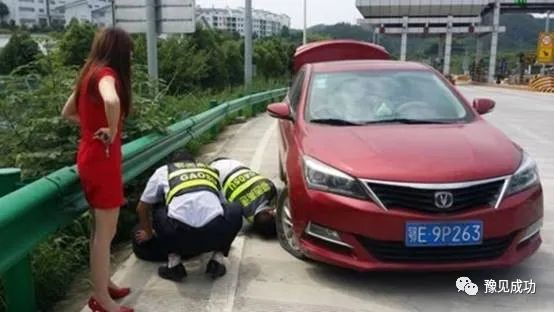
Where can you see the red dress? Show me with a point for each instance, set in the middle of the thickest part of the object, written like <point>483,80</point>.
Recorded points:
<point>100,173</point>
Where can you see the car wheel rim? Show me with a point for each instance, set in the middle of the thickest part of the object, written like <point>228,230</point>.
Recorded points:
<point>288,231</point>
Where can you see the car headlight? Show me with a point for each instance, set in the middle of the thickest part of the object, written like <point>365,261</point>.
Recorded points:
<point>322,177</point>
<point>525,176</point>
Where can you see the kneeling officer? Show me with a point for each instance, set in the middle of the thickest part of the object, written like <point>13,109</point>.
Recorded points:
<point>193,221</point>
<point>253,192</point>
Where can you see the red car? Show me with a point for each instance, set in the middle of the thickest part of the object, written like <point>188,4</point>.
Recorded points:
<point>388,167</point>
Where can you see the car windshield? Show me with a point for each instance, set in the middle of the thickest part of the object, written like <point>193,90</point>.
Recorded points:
<point>370,97</point>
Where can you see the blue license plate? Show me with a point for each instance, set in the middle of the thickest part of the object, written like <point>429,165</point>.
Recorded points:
<point>436,234</point>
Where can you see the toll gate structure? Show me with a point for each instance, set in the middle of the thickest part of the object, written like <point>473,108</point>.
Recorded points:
<point>445,18</point>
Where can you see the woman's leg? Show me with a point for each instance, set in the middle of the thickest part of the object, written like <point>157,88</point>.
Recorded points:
<point>105,226</point>
<point>111,284</point>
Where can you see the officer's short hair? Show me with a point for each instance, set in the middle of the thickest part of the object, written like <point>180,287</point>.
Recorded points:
<point>264,224</point>
<point>181,156</point>
<point>219,158</point>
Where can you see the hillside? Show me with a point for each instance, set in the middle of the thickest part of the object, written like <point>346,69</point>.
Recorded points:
<point>521,36</point>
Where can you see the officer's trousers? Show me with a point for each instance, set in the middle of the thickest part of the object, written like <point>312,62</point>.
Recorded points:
<point>176,237</point>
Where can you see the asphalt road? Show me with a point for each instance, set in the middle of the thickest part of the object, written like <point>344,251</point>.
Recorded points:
<point>263,277</point>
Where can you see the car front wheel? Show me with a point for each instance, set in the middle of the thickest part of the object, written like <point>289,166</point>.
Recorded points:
<point>285,231</point>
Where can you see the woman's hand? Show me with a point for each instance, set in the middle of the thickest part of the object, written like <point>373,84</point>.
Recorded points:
<point>105,135</point>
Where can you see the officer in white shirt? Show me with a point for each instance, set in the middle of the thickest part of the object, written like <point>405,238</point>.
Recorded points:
<point>192,219</point>
<point>254,193</point>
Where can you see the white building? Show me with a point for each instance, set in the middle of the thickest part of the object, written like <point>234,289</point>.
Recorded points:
<point>264,23</point>
<point>98,12</point>
<point>33,12</point>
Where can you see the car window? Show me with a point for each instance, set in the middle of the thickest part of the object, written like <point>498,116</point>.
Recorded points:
<point>296,90</point>
<point>372,97</point>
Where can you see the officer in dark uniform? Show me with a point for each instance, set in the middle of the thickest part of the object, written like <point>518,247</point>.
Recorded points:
<point>189,220</point>
<point>253,192</point>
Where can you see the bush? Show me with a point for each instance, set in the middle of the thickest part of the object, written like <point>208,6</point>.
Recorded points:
<point>20,50</point>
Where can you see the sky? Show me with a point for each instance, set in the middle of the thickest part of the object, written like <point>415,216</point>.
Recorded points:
<point>319,11</point>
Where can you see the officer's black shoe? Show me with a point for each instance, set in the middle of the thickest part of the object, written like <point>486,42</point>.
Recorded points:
<point>215,269</point>
<point>176,273</point>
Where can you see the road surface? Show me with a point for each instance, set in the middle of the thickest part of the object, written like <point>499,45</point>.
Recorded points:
<point>263,277</point>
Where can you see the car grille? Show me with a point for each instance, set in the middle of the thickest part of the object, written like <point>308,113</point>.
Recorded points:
<point>397,196</point>
<point>398,252</point>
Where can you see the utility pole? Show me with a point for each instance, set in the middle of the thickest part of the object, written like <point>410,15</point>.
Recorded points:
<point>248,43</point>
<point>48,15</point>
<point>404,39</point>
<point>546,31</point>
<point>547,23</point>
<point>113,13</point>
<point>494,41</point>
<point>448,47</point>
<point>152,39</point>
<point>305,34</point>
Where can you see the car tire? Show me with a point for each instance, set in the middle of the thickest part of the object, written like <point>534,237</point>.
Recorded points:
<point>282,175</point>
<point>284,226</point>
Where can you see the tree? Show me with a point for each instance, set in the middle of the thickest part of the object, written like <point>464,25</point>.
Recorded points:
<point>210,42</point>
<point>4,11</point>
<point>185,70</point>
<point>76,42</point>
<point>234,61</point>
<point>20,50</point>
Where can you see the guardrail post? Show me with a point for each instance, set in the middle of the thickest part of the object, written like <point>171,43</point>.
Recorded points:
<point>214,131</point>
<point>19,287</point>
<point>9,178</point>
<point>18,280</point>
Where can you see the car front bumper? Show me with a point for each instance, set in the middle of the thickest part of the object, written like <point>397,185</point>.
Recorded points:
<point>362,236</point>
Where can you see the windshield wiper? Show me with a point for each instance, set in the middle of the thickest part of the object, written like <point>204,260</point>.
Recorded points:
<point>334,121</point>
<point>407,121</point>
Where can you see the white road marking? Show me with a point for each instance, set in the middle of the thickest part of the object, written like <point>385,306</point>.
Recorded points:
<point>222,297</point>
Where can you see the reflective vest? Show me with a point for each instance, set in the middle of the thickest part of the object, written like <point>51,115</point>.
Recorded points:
<point>249,189</point>
<point>190,177</point>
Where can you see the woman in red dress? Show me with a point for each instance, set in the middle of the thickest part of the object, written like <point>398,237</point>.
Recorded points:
<point>99,103</point>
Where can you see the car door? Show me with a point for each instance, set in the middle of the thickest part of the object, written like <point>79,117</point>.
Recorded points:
<point>286,127</point>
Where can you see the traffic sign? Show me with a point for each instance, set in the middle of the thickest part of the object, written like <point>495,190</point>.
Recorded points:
<point>172,16</point>
<point>545,48</point>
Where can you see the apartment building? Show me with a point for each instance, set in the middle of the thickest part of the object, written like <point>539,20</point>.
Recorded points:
<point>34,12</point>
<point>264,23</point>
<point>98,12</point>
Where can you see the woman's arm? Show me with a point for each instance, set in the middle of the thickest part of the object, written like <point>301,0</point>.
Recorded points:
<point>112,108</point>
<point>69,110</point>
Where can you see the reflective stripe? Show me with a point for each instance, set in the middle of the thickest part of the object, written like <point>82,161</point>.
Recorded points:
<point>229,180</point>
<point>189,184</point>
<point>192,170</point>
<point>245,186</point>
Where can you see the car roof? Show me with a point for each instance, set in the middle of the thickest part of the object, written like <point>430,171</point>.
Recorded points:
<point>367,65</point>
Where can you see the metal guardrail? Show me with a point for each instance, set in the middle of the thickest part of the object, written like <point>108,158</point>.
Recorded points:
<point>32,213</point>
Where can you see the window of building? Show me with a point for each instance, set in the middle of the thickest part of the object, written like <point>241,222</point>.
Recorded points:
<point>26,9</point>
<point>31,1</point>
<point>27,21</point>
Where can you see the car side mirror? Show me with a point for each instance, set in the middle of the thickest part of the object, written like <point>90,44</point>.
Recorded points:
<point>279,111</point>
<point>483,106</point>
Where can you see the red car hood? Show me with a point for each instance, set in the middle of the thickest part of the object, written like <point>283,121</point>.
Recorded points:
<point>414,153</point>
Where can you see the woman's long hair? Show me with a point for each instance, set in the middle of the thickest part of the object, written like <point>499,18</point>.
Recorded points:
<point>112,47</point>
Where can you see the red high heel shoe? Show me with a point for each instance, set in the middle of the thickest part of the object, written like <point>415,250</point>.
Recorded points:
<point>119,293</point>
<point>96,307</point>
